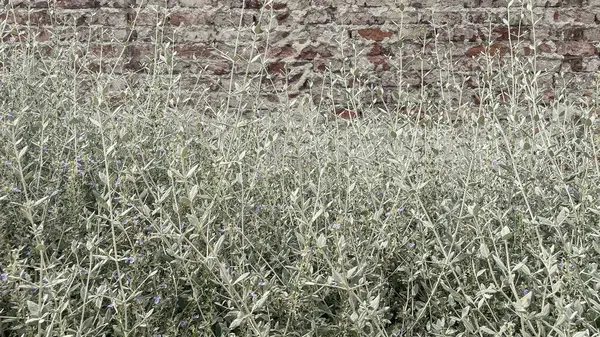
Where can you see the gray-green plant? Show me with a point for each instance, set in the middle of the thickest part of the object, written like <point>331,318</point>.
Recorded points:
<point>129,207</point>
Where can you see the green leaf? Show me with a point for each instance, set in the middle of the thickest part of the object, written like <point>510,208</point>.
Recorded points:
<point>22,152</point>
<point>321,241</point>
<point>95,122</point>
<point>34,308</point>
<point>505,233</point>
<point>241,278</point>
<point>317,215</point>
<point>483,250</point>
<point>375,302</point>
<point>236,322</point>
<point>261,301</point>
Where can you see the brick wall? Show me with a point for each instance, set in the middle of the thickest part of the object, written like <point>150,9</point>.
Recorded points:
<point>428,44</point>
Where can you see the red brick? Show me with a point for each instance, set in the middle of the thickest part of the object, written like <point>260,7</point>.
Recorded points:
<point>221,69</point>
<point>252,4</point>
<point>282,52</point>
<point>374,34</point>
<point>282,17</point>
<point>379,62</point>
<point>378,50</point>
<point>320,66</point>
<point>347,114</point>
<point>276,68</point>
<point>310,52</point>
<point>494,49</point>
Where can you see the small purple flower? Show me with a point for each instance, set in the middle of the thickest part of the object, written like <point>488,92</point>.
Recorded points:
<point>336,226</point>
<point>11,39</point>
<point>525,292</point>
<point>196,316</point>
<point>222,230</point>
<point>44,150</point>
<point>401,210</point>
<point>118,161</point>
<point>494,162</point>
<point>118,182</point>
<point>411,245</point>
<point>4,277</point>
<point>16,190</point>
<point>164,285</point>
<point>138,299</point>
<point>333,283</point>
<point>388,214</point>
<point>261,283</point>
<point>116,275</point>
<point>130,260</point>
<point>183,324</point>
<point>8,163</point>
<point>44,282</point>
<point>84,272</point>
<point>259,208</point>
<point>112,305</point>
<point>253,294</point>
<point>156,299</point>
<point>181,225</point>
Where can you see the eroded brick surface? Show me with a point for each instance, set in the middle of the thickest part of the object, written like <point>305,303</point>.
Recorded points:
<point>292,44</point>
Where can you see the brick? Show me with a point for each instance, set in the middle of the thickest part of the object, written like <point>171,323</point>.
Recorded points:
<point>379,63</point>
<point>103,17</point>
<point>276,6</point>
<point>36,17</point>
<point>375,34</point>
<point>154,3</point>
<point>28,3</point>
<point>189,19</point>
<point>310,52</point>
<point>378,50</point>
<point>191,51</point>
<point>314,16</point>
<point>569,15</point>
<point>282,52</point>
<point>197,3</point>
<point>348,114</point>
<point>591,34</point>
<point>492,50</point>
<point>77,4</point>
<point>576,48</point>
<point>506,34</point>
<point>276,68</point>
<point>359,18</point>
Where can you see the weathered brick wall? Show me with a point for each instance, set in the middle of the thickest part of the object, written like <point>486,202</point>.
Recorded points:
<point>426,43</point>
